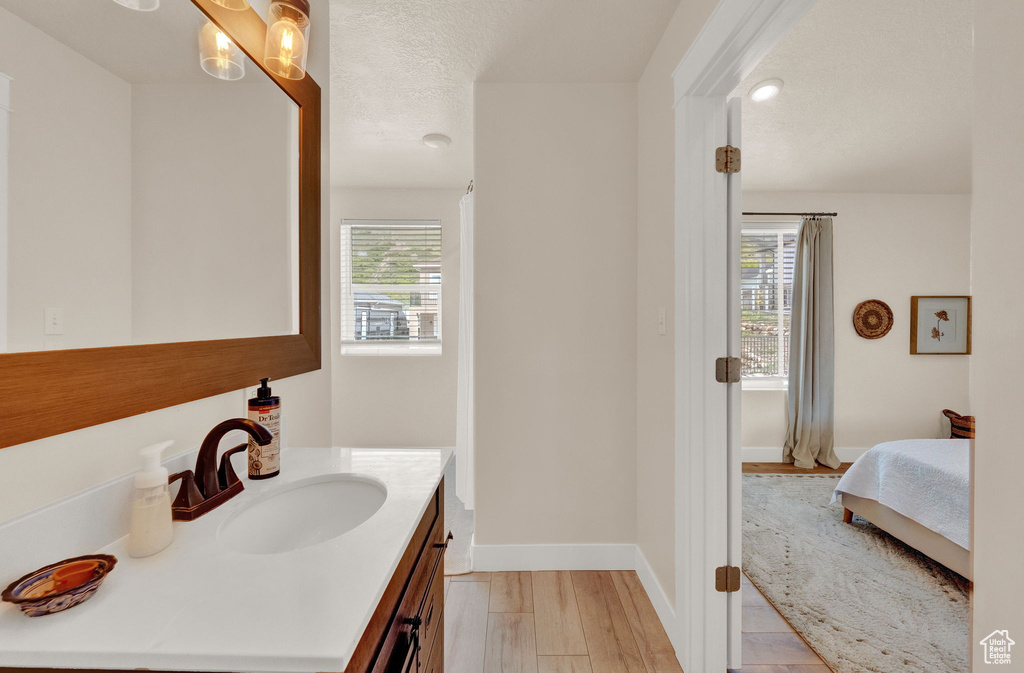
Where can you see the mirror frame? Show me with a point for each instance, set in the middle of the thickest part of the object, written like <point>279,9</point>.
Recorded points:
<point>52,392</point>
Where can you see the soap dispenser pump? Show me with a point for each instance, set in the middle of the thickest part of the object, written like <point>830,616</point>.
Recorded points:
<point>150,530</point>
<point>265,409</point>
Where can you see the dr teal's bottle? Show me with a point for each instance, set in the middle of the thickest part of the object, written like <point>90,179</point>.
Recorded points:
<point>265,409</point>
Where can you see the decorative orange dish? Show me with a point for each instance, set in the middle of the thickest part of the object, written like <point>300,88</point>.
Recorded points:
<point>59,586</point>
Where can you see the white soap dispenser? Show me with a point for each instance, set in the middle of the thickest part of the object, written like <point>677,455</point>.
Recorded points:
<point>150,530</point>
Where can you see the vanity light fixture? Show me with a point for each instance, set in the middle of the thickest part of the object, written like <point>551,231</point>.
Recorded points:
<point>766,90</point>
<point>140,5</point>
<point>287,38</point>
<point>436,141</point>
<point>218,55</point>
<point>237,5</point>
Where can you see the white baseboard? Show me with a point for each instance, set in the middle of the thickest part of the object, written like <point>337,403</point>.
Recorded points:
<point>498,557</point>
<point>773,454</point>
<point>849,454</point>
<point>659,599</point>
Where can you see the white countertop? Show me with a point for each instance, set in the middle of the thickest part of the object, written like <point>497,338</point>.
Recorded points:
<point>200,606</point>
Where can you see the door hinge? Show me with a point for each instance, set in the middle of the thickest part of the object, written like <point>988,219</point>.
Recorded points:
<point>727,159</point>
<point>727,370</point>
<point>727,579</point>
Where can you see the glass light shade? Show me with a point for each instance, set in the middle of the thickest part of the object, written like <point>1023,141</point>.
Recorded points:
<point>140,5</point>
<point>237,5</point>
<point>218,55</point>
<point>287,38</point>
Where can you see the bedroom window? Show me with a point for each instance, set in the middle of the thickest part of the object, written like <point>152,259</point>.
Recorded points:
<point>391,287</point>
<point>767,256</point>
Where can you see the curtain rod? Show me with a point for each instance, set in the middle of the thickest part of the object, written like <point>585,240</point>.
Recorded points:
<point>798,214</point>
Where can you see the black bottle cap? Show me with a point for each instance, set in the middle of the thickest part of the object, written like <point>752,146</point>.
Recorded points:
<point>263,392</point>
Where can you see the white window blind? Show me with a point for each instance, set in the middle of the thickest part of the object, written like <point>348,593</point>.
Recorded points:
<point>767,258</point>
<point>391,286</point>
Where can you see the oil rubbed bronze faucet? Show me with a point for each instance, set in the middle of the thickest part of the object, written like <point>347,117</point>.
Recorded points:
<point>210,486</point>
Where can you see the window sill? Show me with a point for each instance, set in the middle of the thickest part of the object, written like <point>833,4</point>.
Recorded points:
<point>765,384</point>
<point>399,349</point>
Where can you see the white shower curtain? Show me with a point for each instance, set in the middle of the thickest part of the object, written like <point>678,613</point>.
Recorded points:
<point>464,414</point>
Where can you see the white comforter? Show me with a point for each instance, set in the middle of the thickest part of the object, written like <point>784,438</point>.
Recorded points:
<point>927,480</point>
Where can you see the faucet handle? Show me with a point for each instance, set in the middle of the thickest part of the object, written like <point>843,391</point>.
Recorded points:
<point>188,494</point>
<point>226,473</point>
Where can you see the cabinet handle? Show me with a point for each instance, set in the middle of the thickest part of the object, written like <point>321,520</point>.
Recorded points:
<point>444,545</point>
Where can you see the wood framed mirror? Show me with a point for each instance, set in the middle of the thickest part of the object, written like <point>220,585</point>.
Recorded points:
<point>49,392</point>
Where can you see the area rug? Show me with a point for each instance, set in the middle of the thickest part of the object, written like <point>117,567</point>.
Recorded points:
<point>861,598</point>
<point>459,521</point>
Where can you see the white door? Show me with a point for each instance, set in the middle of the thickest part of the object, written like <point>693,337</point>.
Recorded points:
<point>733,449</point>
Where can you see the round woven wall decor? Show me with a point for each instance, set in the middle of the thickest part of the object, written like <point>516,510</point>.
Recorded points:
<point>872,319</point>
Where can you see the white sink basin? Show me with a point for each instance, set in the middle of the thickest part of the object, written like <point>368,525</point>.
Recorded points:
<point>303,514</point>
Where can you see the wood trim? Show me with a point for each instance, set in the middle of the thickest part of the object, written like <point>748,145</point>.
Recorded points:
<point>913,321</point>
<point>125,381</point>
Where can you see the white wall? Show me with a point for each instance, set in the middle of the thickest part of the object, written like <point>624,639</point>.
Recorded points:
<point>211,218</point>
<point>5,103</point>
<point>78,460</point>
<point>998,360</point>
<point>70,193</point>
<point>555,294</point>
<point>888,247</point>
<point>398,400</point>
<point>655,392</point>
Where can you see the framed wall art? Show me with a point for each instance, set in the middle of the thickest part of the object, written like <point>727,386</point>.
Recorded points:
<point>940,325</point>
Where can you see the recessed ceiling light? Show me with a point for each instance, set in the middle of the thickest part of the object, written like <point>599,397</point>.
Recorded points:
<point>767,89</point>
<point>436,141</point>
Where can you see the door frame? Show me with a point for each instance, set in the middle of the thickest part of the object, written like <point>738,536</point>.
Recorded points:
<point>737,35</point>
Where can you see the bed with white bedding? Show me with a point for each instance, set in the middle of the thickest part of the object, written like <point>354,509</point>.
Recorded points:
<point>919,491</point>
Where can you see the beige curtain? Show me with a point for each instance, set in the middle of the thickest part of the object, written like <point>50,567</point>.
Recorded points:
<point>809,437</point>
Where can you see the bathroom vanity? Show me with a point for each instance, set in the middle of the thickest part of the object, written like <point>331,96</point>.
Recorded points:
<point>347,579</point>
<point>406,632</point>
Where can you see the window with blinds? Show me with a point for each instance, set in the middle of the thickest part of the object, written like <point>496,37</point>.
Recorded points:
<point>391,286</point>
<point>767,259</point>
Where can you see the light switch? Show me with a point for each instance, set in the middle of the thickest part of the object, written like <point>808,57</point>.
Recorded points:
<point>662,321</point>
<point>54,324</point>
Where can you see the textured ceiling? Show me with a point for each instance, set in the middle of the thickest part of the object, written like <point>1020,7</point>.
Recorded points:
<point>403,68</point>
<point>876,99</point>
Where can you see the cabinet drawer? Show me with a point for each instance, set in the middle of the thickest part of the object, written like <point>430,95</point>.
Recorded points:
<point>432,659</point>
<point>381,639</point>
<point>433,605</point>
<point>407,628</point>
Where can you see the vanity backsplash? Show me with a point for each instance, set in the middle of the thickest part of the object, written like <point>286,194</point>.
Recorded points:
<point>75,525</point>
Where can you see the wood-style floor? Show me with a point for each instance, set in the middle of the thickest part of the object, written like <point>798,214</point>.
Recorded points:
<point>770,645</point>
<point>789,468</point>
<point>553,622</point>
<point>597,622</point>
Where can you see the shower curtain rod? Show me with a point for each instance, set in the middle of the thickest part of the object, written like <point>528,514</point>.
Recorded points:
<point>798,214</point>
